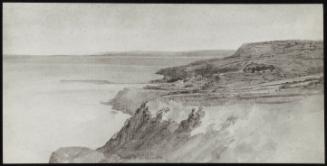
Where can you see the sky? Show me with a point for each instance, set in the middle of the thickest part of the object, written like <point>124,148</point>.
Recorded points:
<point>72,29</point>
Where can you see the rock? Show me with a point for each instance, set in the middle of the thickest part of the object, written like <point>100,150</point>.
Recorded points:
<point>147,135</point>
<point>76,155</point>
<point>129,99</point>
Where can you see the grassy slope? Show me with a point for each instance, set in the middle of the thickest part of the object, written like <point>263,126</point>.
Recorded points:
<point>247,71</point>
<point>293,58</point>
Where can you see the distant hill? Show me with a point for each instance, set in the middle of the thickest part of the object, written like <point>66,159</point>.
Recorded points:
<point>108,57</point>
<point>220,53</point>
<point>276,59</point>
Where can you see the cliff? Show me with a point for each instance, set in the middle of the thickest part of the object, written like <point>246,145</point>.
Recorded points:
<point>269,72</point>
<point>149,135</point>
<point>280,59</point>
<point>129,99</point>
<point>227,133</point>
<point>250,107</point>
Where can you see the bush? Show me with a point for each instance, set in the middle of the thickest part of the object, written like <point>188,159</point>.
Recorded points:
<point>254,67</point>
<point>206,71</point>
<point>173,74</point>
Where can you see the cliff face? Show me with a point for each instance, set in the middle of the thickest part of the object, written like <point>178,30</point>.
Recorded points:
<point>129,99</point>
<point>228,133</point>
<point>149,135</point>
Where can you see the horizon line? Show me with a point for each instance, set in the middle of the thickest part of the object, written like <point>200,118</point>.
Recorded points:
<point>117,52</point>
<point>162,51</point>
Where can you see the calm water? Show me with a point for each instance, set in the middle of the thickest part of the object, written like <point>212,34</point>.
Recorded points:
<point>42,114</point>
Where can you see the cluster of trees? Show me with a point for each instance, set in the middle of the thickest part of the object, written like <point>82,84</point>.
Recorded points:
<point>212,71</point>
<point>253,67</point>
<point>173,74</point>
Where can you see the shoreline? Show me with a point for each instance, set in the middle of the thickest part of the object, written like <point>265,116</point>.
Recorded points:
<point>210,109</point>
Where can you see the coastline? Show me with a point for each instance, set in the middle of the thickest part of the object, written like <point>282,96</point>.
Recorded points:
<point>204,103</point>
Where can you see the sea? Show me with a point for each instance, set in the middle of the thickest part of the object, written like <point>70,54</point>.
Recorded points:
<point>42,111</point>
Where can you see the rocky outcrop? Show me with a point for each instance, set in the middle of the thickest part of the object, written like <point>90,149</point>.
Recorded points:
<point>76,155</point>
<point>129,99</point>
<point>149,135</point>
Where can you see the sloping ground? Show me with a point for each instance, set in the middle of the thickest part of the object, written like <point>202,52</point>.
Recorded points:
<point>226,133</point>
<point>238,132</point>
<point>263,104</point>
<point>270,72</point>
<point>293,68</point>
<point>283,59</point>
